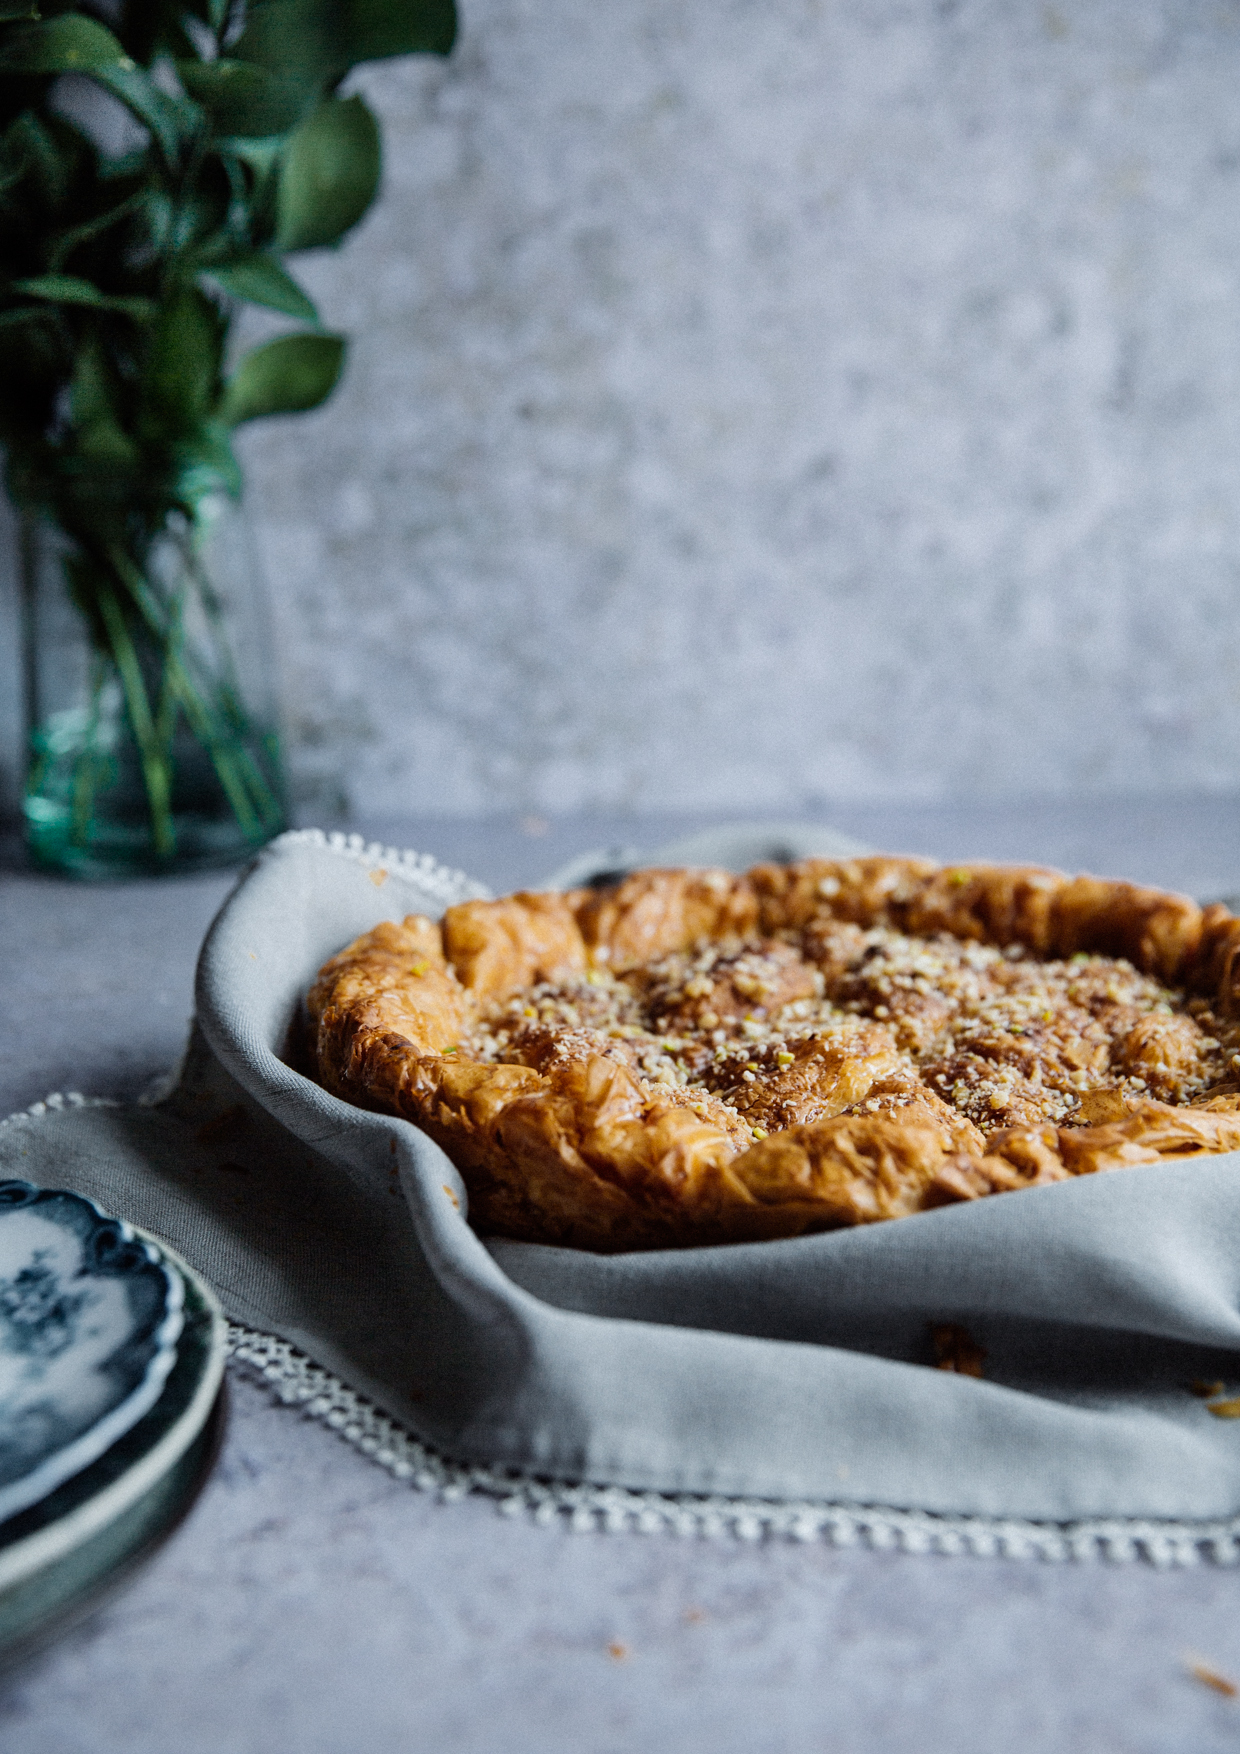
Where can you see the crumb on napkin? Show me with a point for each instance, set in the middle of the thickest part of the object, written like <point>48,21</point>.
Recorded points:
<point>1210,1677</point>
<point>956,1349</point>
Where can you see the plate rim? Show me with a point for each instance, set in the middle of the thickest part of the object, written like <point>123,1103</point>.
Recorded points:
<point>43,1546</point>
<point>71,1458</point>
<point>94,1590</point>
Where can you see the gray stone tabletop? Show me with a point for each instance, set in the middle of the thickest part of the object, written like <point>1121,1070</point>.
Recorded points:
<point>311,1602</point>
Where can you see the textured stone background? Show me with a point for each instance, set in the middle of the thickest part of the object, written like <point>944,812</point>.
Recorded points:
<point>764,404</point>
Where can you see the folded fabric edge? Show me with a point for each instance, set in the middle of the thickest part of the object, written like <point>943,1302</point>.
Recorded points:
<point>588,1504</point>
<point>295,1380</point>
<point>443,881</point>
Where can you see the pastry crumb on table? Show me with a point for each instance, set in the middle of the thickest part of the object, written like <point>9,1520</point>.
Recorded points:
<point>1211,1677</point>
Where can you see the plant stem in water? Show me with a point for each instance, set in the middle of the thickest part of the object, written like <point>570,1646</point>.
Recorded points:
<point>86,766</point>
<point>155,768</point>
<point>232,762</point>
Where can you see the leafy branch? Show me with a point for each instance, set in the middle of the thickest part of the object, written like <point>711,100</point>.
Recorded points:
<point>122,270</point>
<point>123,267</point>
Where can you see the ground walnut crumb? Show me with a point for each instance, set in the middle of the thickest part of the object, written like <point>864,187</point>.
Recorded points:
<point>1001,1037</point>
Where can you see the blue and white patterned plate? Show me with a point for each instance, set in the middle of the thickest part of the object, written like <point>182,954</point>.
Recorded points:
<point>89,1320</point>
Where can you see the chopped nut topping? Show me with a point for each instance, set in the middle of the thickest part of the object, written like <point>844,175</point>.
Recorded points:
<point>998,1035</point>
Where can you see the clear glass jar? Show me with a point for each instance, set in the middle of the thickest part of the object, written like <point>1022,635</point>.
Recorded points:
<point>149,691</point>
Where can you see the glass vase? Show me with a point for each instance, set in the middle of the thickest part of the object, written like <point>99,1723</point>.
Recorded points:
<point>150,706</point>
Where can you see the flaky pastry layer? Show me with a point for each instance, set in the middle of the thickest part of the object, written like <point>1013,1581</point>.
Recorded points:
<point>693,1057</point>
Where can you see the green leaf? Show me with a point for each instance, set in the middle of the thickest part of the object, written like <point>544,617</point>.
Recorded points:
<point>376,29</point>
<point>181,379</point>
<point>14,9</point>
<point>319,40</point>
<point>243,99</point>
<point>69,44</point>
<point>329,175</point>
<point>287,376</point>
<point>99,436</point>
<point>262,155</point>
<point>14,157</point>
<point>260,279</point>
<point>296,38</point>
<point>67,289</point>
<point>150,29</point>
<point>55,160</point>
<point>33,369</point>
<point>94,227</point>
<point>203,464</point>
<point>157,218</point>
<point>172,121</point>
<point>205,207</point>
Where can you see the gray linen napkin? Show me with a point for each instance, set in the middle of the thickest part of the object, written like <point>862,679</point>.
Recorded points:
<point>784,1370</point>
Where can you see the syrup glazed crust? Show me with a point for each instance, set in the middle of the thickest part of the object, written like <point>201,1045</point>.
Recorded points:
<point>693,1057</point>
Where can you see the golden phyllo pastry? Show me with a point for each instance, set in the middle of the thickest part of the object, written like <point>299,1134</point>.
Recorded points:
<point>691,1057</point>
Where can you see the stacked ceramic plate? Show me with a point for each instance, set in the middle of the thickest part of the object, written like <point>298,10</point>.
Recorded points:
<point>111,1361</point>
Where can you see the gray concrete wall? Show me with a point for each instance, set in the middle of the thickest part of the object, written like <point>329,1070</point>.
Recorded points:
<point>755,404</point>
